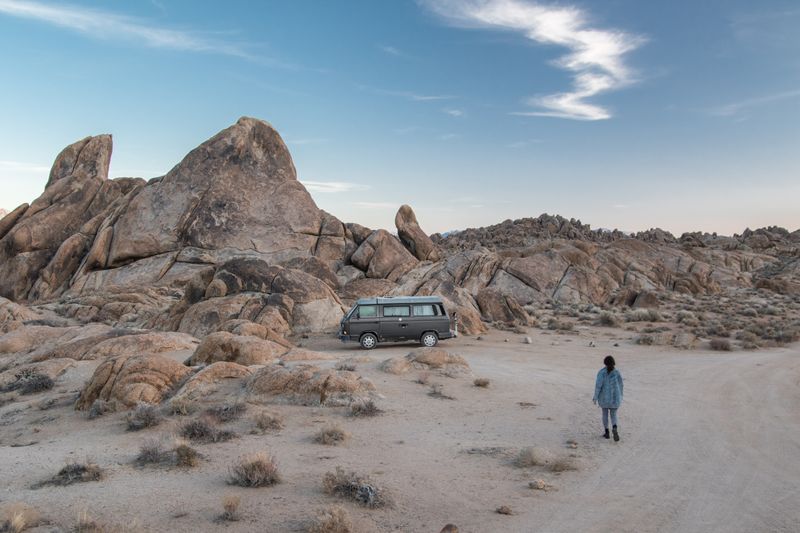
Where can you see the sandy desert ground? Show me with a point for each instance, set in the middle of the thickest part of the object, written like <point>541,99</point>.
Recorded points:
<point>710,442</point>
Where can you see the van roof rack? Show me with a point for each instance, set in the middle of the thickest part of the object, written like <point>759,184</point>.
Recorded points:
<point>400,300</point>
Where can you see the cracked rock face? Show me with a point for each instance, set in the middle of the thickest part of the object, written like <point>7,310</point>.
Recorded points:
<point>238,190</point>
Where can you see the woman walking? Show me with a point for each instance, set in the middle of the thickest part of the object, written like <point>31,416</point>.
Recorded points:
<point>608,394</point>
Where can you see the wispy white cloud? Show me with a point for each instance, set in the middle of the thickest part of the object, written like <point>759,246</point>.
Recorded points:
<point>333,186</point>
<point>406,130</point>
<point>11,167</point>
<point>408,95</point>
<point>454,112</point>
<point>111,26</point>
<point>393,51</point>
<point>596,56</point>
<point>448,136</point>
<point>732,109</point>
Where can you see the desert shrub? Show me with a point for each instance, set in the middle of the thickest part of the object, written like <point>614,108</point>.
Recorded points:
<point>354,487</point>
<point>29,381</point>
<point>143,416</point>
<point>265,421</point>
<point>643,315</point>
<point>423,378</point>
<point>87,524</point>
<point>230,508</point>
<point>723,345</point>
<point>181,406</point>
<point>256,470</point>
<point>559,325</point>
<point>331,436</point>
<point>349,367</point>
<point>74,473</point>
<point>202,430</point>
<point>437,391</point>
<point>18,517</point>
<point>531,456</point>
<point>770,310</point>
<point>331,520</point>
<point>687,318</point>
<point>481,382</point>
<point>186,456</point>
<point>99,408</point>
<point>152,452</point>
<point>749,312</point>
<point>716,329</point>
<point>562,464</point>
<point>364,408</point>
<point>645,340</point>
<point>609,319</point>
<point>227,412</point>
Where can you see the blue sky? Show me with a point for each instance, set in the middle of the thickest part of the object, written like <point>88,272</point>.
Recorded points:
<point>625,114</point>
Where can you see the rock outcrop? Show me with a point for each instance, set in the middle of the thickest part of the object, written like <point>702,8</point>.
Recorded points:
<point>412,236</point>
<point>230,245</point>
<point>130,379</point>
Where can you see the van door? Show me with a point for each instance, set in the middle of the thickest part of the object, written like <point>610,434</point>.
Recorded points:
<point>364,320</point>
<point>395,323</point>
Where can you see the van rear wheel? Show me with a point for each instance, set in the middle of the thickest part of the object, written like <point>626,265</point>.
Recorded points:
<point>429,339</point>
<point>368,341</point>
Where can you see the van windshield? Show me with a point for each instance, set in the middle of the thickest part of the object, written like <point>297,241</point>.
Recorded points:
<point>350,312</point>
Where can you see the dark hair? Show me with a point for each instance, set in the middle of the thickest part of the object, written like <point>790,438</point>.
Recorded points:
<point>610,363</point>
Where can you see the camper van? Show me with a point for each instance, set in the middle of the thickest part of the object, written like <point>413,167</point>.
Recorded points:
<point>414,318</point>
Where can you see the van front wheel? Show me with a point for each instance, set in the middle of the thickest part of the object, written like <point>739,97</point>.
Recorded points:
<point>368,341</point>
<point>429,339</point>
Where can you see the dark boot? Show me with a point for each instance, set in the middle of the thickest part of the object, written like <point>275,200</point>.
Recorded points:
<point>616,435</point>
<point>606,435</point>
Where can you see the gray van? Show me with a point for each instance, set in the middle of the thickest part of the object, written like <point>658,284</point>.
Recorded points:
<point>419,318</point>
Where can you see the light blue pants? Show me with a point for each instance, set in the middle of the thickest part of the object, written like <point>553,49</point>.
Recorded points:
<point>613,412</point>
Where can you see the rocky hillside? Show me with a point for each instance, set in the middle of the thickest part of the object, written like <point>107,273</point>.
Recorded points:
<point>230,234</point>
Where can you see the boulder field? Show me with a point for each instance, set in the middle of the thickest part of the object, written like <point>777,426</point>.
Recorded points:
<point>230,247</point>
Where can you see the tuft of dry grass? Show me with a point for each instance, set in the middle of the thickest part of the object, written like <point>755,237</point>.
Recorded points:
<point>481,382</point>
<point>152,452</point>
<point>559,325</point>
<point>143,416</point>
<point>227,412</point>
<point>354,487</point>
<point>99,408</point>
<point>531,456</point>
<point>332,520</point>
<point>230,508</point>
<point>181,407</point>
<point>562,464</point>
<point>186,456</point>
<point>87,524</point>
<point>437,391</point>
<point>364,408</point>
<point>203,430</point>
<point>720,345</point>
<point>349,367</point>
<point>74,473</point>
<point>643,315</point>
<point>18,517</point>
<point>423,378</point>
<point>608,319</point>
<point>255,470</point>
<point>331,435</point>
<point>266,421</point>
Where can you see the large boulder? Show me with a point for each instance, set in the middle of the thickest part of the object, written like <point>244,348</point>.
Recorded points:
<point>242,349</point>
<point>238,190</point>
<point>130,379</point>
<point>412,236</point>
<point>77,191</point>
<point>382,255</point>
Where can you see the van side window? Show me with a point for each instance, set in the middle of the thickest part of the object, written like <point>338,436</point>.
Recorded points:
<point>425,310</point>
<point>367,311</point>
<point>396,310</point>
